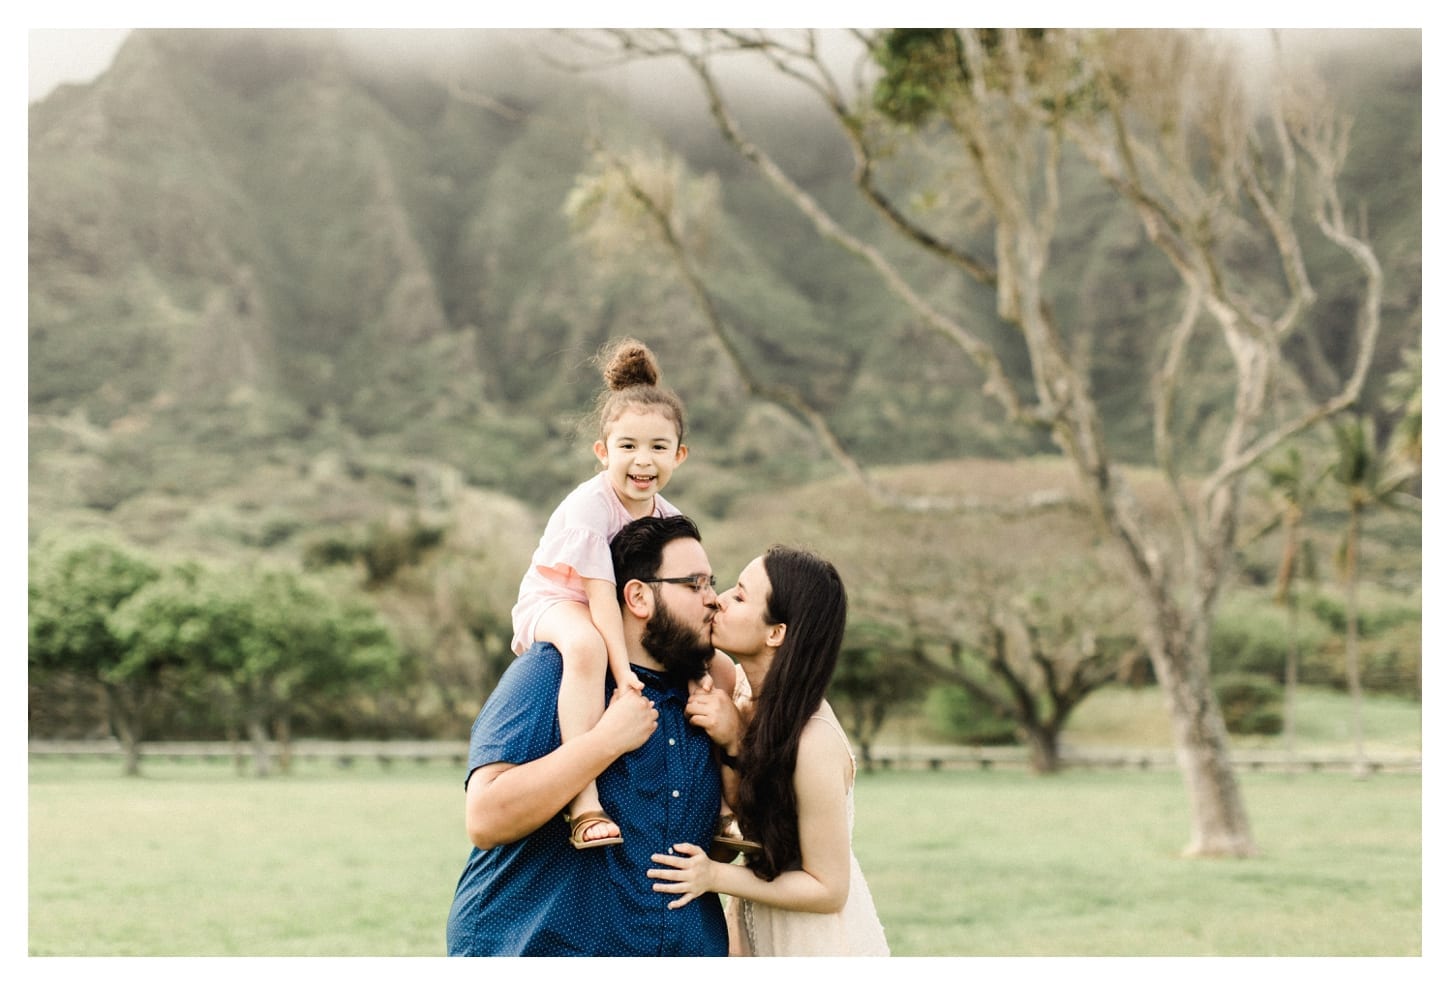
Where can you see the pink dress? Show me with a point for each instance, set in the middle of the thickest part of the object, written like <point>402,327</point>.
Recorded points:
<point>575,546</point>
<point>760,930</point>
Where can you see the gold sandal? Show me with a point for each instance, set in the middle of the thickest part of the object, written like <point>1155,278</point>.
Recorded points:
<point>726,837</point>
<point>584,820</point>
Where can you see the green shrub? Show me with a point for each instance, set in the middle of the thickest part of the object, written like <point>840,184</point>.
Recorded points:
<point>1389,643</point>
<point>961,716</point>
<point>1379,611</point>
<point>1391,661</point>
<point>1388,663</point>
<point>1251,636</point>
<point>328,550</point>
<point>387,548</point>
<point>1253,704</point>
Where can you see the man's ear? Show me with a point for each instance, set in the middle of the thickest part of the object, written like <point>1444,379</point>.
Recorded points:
<point>639,600</point>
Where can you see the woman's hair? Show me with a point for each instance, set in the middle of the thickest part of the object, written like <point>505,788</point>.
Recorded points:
<point>807,595</point>
<point>632,379</point>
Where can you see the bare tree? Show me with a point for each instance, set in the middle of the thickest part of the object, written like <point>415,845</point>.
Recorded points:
<point>1033,663</point>
<point>1212,168</point>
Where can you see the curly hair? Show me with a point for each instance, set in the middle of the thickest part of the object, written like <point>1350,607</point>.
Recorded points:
<point>807,594</point>
<point>632,379</point>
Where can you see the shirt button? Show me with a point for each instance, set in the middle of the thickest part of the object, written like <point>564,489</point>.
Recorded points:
<point>674,793</point>
<point>672,742</point>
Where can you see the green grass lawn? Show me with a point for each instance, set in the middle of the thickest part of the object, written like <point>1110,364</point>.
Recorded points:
<point>194,860</point>
<point>1089,864</point>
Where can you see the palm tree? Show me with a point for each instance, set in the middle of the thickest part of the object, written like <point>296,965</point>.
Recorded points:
<point>1293,491</point>
<point>1402,395</point>
<point>1370,479</point>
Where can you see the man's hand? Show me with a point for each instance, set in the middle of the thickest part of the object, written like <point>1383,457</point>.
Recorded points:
<point>711,709</point>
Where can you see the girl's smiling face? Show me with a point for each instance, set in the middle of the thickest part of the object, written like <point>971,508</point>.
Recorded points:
<point>640,454</point>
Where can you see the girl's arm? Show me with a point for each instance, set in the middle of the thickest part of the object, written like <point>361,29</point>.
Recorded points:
<point>604,613</point>
<point>722,673</point>
<point>821,883</point>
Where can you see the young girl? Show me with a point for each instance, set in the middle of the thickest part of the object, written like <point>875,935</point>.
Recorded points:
<point>567,597</point>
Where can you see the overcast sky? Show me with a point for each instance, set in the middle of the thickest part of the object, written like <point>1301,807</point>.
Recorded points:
<point>69,55</point>
<point>78,54</point>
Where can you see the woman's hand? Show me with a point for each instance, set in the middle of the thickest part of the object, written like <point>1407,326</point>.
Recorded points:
<point>690,874</point>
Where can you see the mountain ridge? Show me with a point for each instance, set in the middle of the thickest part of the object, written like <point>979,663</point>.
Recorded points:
<point>251,244</point>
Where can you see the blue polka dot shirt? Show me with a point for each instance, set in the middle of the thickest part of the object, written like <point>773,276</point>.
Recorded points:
<point>540,895</point>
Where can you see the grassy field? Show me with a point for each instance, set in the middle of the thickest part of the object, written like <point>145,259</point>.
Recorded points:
<point>192,859</point>
<point>1088,864</point>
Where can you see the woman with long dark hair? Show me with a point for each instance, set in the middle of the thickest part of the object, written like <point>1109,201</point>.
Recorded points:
<point>789,773</point>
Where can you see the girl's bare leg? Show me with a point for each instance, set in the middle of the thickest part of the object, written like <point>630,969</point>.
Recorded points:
<point>581,692</point>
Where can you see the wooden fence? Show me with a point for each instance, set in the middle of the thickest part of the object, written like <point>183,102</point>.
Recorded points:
<point>346,753</point>
<point>1146,760</point>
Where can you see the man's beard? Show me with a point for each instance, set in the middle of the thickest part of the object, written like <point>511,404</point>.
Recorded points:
<point>680,650</point>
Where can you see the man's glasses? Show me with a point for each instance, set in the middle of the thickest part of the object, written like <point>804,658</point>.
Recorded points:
<point>697,583</point>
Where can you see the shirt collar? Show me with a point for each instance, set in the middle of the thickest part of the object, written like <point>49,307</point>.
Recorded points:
<point>656,679</point>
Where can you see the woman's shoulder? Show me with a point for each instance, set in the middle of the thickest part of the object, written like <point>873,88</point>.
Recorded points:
<point>825,769</point>
<point>825,735</point>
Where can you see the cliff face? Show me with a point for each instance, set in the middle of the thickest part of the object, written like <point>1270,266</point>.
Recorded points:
<point>279,244</point>
<point>232,210</point>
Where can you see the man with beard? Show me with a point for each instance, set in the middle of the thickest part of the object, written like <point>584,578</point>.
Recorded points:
<point>524,890</point>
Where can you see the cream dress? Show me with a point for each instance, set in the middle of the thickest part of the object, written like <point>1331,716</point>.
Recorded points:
<point>759,930</point>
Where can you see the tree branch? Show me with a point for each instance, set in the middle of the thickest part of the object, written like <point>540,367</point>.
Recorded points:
<point>998,384</point>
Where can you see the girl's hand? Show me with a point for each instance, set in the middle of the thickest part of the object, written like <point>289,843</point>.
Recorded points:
<point>689,874</point>
<point>630,719</point>
<point>629,680</point>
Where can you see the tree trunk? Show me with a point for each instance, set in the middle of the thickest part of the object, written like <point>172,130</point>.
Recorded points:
<point>1042,747</point>
<point>1291,677</point>
<point>1218,820</point>
<point>282,726</point>
<point>257,733</point>
<point>126,724</point>
<point>1351,641</point>
<point>239,759</point>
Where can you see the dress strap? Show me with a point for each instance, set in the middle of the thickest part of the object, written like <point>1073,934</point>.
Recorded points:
<point>842,733</point>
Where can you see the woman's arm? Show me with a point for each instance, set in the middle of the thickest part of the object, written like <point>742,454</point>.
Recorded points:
<point>821,883</point>
<point>712,708</point>
<point>506,801</point>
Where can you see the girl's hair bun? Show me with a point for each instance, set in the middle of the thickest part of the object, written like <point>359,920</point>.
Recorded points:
<point>629,363</point>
